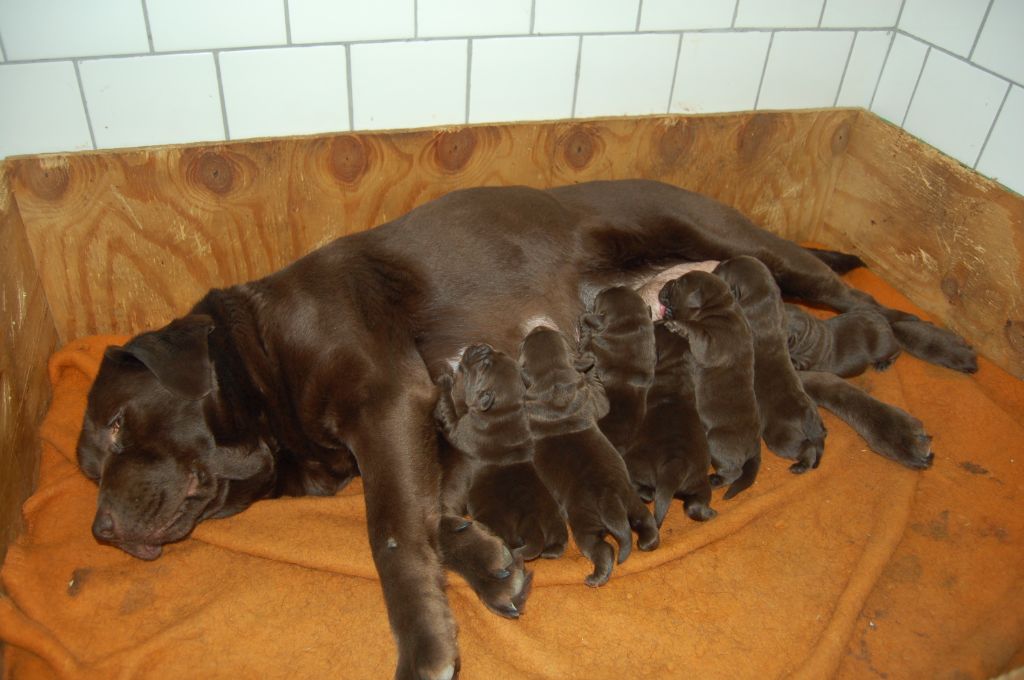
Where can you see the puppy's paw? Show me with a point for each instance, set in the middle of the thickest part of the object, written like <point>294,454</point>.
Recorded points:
<point>903,439</point>
<point>495,574</point>
<point>936,345</point>
<point>700,512</point>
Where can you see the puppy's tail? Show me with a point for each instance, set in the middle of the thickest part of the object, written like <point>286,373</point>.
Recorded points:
<point>746,478</point>
<point>837,261</point>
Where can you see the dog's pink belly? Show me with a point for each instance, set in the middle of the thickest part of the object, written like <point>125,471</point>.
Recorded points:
<point>651,286</point>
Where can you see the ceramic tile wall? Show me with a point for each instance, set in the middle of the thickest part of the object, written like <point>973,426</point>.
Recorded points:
<point>83,74</point>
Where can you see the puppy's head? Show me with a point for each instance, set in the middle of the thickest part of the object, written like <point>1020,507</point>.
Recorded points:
<point>748,278</point>
<point>146,440</point>
<point>555,375</point>
<point>693,295</point>
<point>488,379</point>
<point>615,308</point>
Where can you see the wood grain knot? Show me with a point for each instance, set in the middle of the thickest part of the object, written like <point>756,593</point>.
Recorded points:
<point>454,149</point>
<point>578,147</point>
<point>348,158</point>
<point>213,171</point>
<point>48,182</point>
<point>841,138</point>
<point>753,135</point>
<point>1014,331</point>
<point>675,143</point>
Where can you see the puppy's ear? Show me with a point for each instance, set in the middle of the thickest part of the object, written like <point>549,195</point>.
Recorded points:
<point>178,355</point>
<point>485,400</point>
<point>562,395</point>
<point>585,362</point>
<point>593,321</point>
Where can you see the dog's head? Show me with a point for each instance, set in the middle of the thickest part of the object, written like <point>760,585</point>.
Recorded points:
<point>147,440</point>
<point>487,379</point>
<point>749,280</point>
<point>617,309</point>
<point>693,296</point>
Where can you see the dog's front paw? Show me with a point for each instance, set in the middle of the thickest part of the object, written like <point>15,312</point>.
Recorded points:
<point>936,345</point>
<point>427,649</point>
<point>496,575</point>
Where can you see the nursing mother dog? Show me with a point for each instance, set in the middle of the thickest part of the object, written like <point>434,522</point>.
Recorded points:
<point>292,383</point>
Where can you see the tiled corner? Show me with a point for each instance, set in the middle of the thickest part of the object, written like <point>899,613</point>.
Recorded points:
<point>861,13</point>
<point>804,69</point>
<point>1001,45</point>
<point>309,86</point>
<point>899,76</point>
<point>709,60</point>
<point>448,18</point>
<point>522,78</point>
<point>1002,156</point>
<point>950,24</point>
<point>864,68</point>
<point>778,13</point>
<point>954,106</point>
<point>167,99</point>
<point>686,15</point>
<point>178,25</point>
<point>41,109</point>
<point>585,16</point>
<point>626,74</point>
<point>313,21</point>
<point>46,29</point>
<point>408,84</point>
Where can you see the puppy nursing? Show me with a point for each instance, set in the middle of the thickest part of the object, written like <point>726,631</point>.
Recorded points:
<point>844,345</point>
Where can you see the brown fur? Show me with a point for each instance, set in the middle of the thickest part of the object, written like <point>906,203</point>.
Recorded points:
<point>574,460</point>
<point>283,384</point>
<point>669,456</point>
<point>700,307</point>
<point>790,423</point>
<point>845,344</point>
<point>619,333</point>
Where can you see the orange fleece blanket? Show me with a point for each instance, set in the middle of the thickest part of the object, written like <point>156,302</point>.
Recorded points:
<point>859,569</point>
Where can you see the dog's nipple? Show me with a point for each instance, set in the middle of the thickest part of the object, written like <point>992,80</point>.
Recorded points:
<point>391,543</point>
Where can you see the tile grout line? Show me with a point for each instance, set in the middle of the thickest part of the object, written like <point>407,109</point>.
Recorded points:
<point>992,127</point>
<point>821,16</point>
<point>287,22</point>
<point>576,80</point>
<point>675,73</point>
<point>977,36</point>
<point>220,91</point>
<point>962,59</point>
<point>639,13</point>
<point>881,71</point>
<point>846,67</point>
<point>735,13</point>
<point>533,16</point>
<point>469,74</point>
<point>415,19</point>
<point>764,70</point>
<point>149,30</point>
<point>85,104</point>
<point>913,93</point>
<point>3,51</point>
<point>348,79</point>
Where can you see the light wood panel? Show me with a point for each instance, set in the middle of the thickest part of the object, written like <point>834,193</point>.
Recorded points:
<point>29,338</point>
<point>126,240</point>
<point>949,239</point>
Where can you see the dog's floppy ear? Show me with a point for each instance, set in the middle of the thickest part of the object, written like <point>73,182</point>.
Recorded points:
<point>485,400</point>
<point>239,464</point>
<point>178,355</point>
<point>593,321</point>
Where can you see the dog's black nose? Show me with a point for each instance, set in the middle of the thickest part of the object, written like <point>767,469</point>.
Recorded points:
<point>103,526</point>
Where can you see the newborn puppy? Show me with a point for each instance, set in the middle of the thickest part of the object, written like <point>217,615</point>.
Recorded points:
<point>790,423</point>
<point>574,460</point>
<point>700,307</point>
<point>669,457</point>
<point>619,334</point>
<point>845,344</point>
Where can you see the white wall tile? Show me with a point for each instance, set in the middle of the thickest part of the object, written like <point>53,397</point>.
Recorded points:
<point>441,18</point>
<point>43,29</point>
<point>684,15</point>
<point>522,78</point>
<point>409,84</point>
<point>899,76</point>
<point>138,101</point>
<point>626,74</point>
<point>285,91</point>
<point>338,20</point>
<point>41,109</point>
<point>954,106</point>
<point>950,24</point>
<point>778,13</point>
<point>1001,46</point>
<point>804,69</point>
<point>584,16</point>
<point>201,24</point>
<point>861,13</point>
<point>864,68</point>
<point>719,71</point>
<point>1002,156</point>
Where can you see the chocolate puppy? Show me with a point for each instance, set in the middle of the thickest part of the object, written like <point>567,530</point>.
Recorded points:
<point>619,334</point>
<point>700,307</point>
<point>790,423</point>
<point>845,345</point>
<point>669,457</point>
<point>574,460</point>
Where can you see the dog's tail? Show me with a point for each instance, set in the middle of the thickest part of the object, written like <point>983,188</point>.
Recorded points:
<point>837,261</point>
<point>746,478</point>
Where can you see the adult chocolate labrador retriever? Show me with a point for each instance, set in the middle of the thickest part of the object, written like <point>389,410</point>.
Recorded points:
<point>290,383</point>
